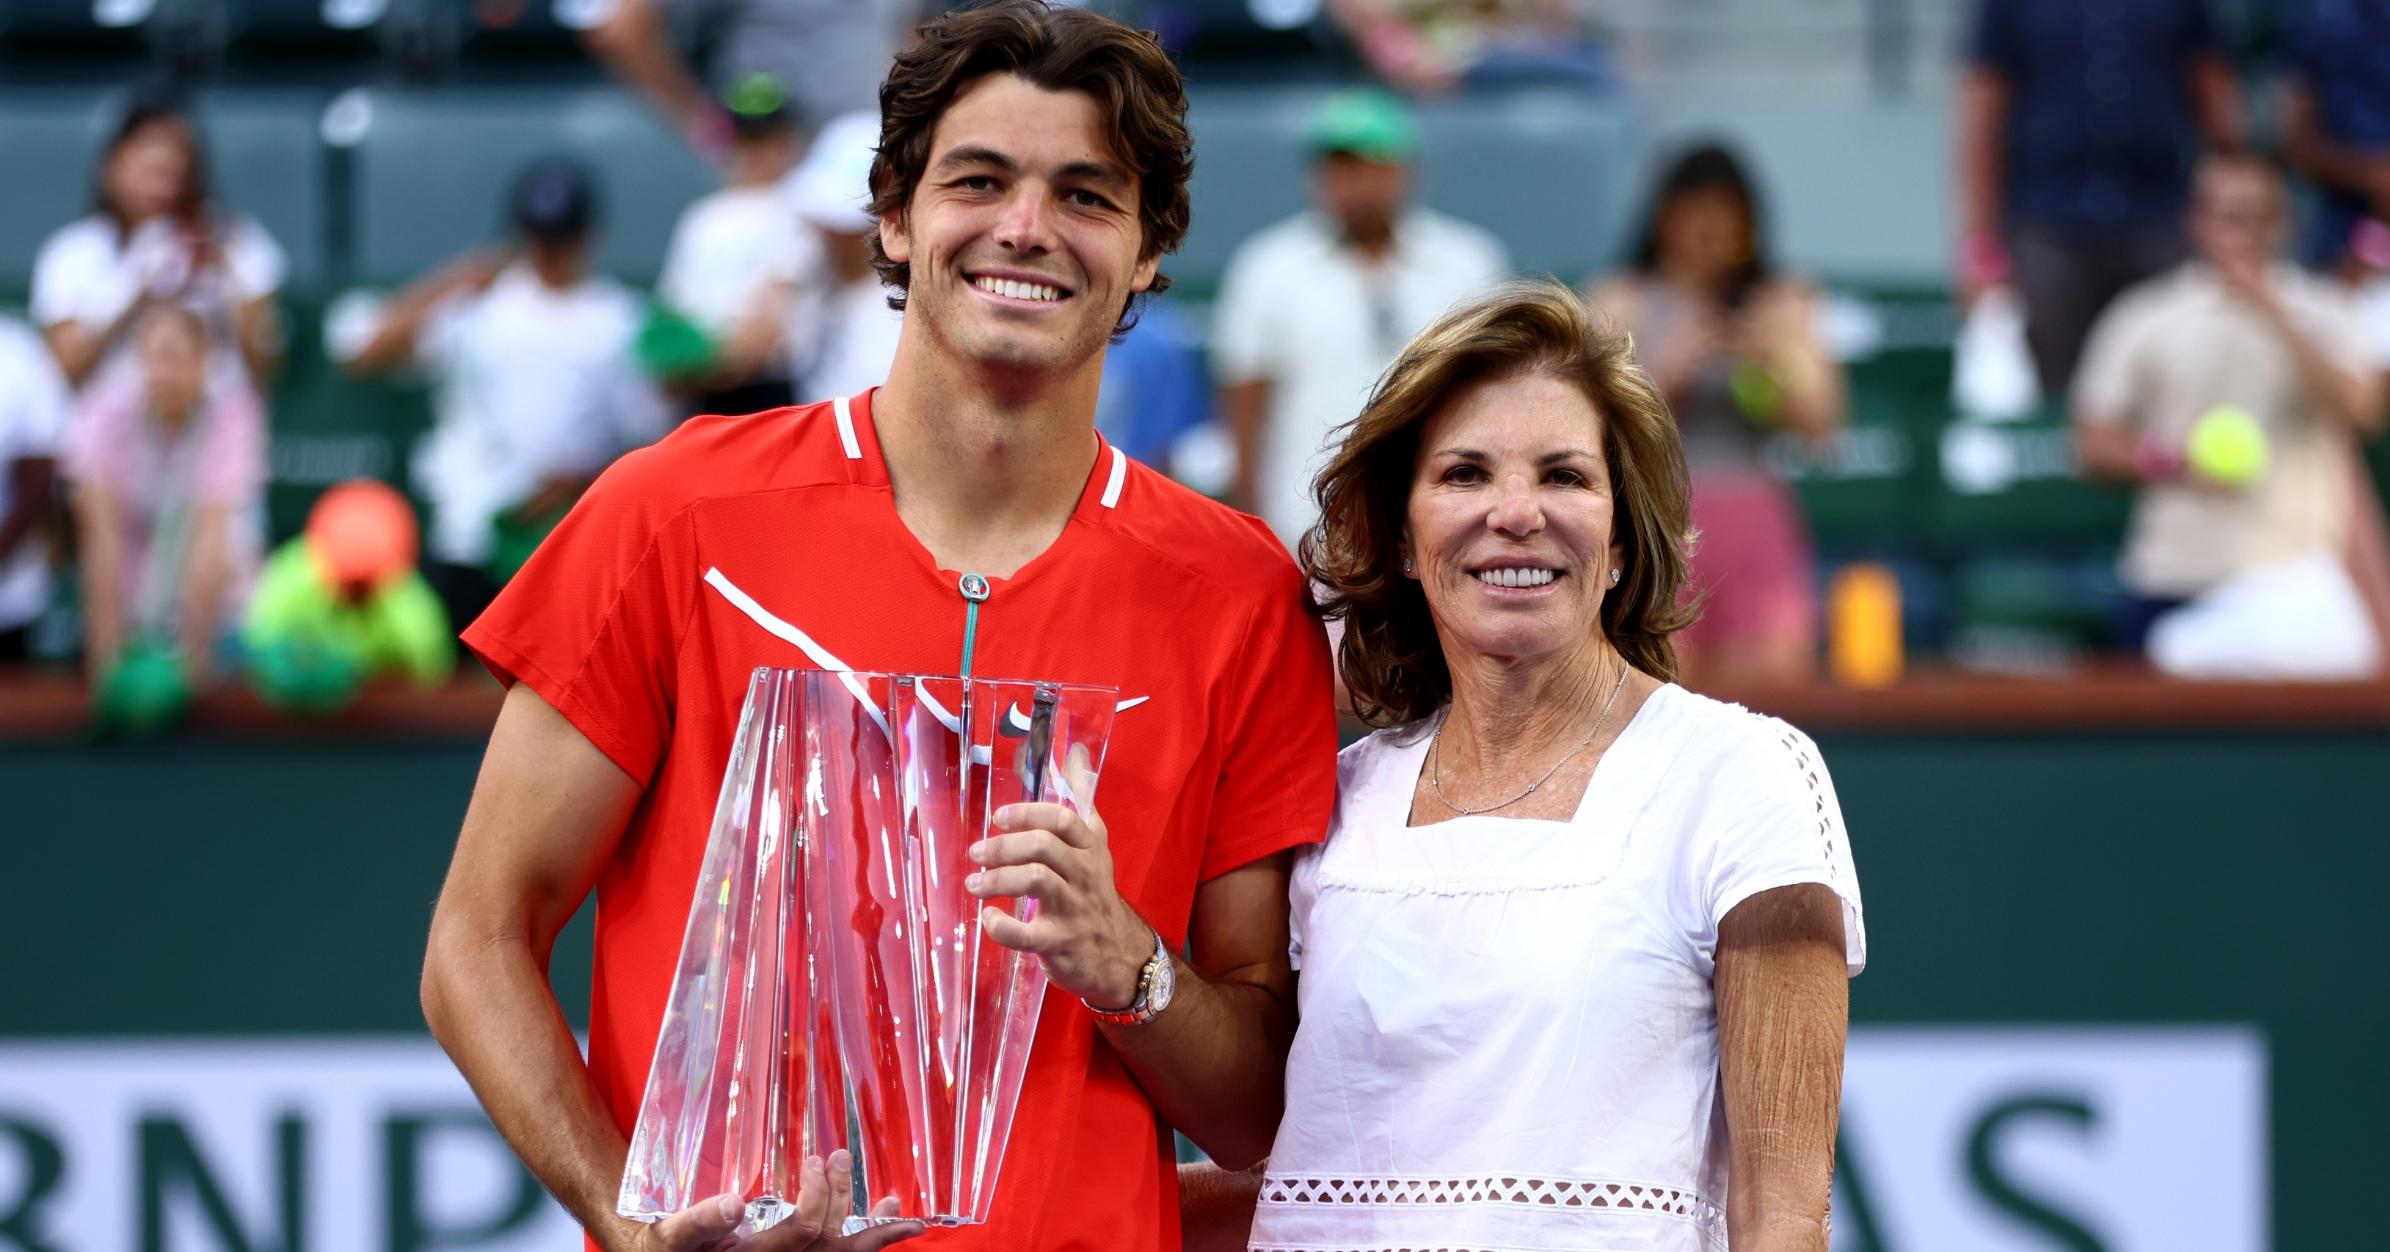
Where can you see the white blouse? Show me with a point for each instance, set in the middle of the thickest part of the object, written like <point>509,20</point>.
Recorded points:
<point>1509,1037</point>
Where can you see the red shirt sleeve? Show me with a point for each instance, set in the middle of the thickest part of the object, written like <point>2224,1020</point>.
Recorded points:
<point>1277,785</point>
<point>594,620</point>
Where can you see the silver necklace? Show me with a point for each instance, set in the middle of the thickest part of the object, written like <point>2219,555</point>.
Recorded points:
<point>1435,754</point>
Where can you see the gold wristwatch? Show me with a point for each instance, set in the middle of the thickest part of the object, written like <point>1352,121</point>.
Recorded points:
<point>1156,983</point>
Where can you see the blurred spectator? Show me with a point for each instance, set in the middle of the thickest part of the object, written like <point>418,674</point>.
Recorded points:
<point>2227,393</point>
<point>1736,348</point>
<point>848,334</point>
<point>1313,308</point>
<point>342,604</point>
<point>1155,387</point>
<point>155,236</point>
<point>2076,121</point>
<point>33,410</point>
<point>537,386</point>
<point>737,259</point>
<point>2337,124</point>
<point>830,55</point>
<point>167,461</point>
<point>1437,45</point>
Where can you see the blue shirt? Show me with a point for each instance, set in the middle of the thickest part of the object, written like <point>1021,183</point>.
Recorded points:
<point>2341,50</point>
<point>1155,386</point>
<point>2100,129</point>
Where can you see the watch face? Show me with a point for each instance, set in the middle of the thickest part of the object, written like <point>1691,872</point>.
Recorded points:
<point>1165,985</point>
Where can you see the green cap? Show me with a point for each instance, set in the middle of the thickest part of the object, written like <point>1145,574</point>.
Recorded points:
<point>1365,122</point>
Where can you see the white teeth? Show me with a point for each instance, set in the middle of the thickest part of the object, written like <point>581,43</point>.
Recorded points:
<point>1018,290</point>
<point>1517,577</point>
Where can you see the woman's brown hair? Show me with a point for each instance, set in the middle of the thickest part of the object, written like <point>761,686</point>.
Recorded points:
<point>1390,661</point>
<point>1058,48</point>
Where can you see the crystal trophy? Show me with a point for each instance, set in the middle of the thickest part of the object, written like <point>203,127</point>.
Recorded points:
<point>834,987</point>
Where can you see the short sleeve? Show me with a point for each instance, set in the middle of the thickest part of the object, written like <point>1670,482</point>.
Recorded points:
<point>1302,894</point>
<point>2336,324</point>
<point>1777,824</point>
<point>1245,338</point>
<point>1993,41</point>
<point>64,274</point>
<point>1277,784</point>
<point>258,264</point>
<point>2106,390</point>
<point>593,622</point>
<point>33,397</point>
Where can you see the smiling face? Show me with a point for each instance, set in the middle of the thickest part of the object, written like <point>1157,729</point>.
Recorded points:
<point>1023,236</point>
<point>1510,521</point>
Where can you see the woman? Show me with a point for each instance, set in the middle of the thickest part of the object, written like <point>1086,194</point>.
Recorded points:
<point>168,467</point>
<point>1573,955</point>
<point>1735,350</point>
<point>155,238</point>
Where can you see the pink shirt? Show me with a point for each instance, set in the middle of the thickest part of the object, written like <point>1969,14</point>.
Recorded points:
<point>117,444</point>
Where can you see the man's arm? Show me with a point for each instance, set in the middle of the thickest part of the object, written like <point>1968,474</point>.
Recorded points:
<point>1244,406</point>
<point>1215,1207</point>
<point>1783,1010</point>
<point>546,814</point>
<point>392,344</point>
<point>99,544</point>
<point>2216,102</point>
<point>2313,153</point>
<point>1983,108</point>
<point>634,43</point>
<point>2350,397</point>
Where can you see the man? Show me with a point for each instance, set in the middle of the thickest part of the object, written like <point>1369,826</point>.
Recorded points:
<point>537,388</point>
<point>738,260</point>
<point>847,336</point>
<point>1032,173</point>
<point>2234,339</point>
<point>1313,308</point>
<point>2074,120</point>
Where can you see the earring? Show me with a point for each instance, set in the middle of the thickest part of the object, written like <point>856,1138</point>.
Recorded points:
<point>1615,575</point>
<point>1406,565</point>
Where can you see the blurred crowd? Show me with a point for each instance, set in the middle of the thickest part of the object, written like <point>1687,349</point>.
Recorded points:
<point>2190,257</point>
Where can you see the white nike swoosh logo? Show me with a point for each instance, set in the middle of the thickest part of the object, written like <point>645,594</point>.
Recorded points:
<point>1020,720</point>
<point>773,625</point>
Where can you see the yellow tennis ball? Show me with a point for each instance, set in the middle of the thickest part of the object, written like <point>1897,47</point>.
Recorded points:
<point>2228,446</point>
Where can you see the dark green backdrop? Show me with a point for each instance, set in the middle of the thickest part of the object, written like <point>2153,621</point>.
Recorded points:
<point>233,887</point>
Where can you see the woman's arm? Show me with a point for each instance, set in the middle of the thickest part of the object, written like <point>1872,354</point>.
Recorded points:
<point>1215,1207</point>
<point>100,538</point>
<point>1790,344</point>
<point>1783,1010</point>
<point>78,346</point>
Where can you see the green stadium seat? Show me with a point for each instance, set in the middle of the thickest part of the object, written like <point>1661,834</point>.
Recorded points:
<point>432,169</point>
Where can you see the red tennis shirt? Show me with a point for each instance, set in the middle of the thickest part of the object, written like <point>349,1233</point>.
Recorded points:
<point>774,540</point>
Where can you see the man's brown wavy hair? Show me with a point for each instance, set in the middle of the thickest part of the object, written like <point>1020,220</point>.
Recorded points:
<point>1057,48</point>
<point>1391,662</point>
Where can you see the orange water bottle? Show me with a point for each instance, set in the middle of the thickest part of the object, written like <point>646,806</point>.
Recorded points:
<point>1863,637</point>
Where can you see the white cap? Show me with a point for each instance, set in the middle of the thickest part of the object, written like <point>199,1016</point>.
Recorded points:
<point>832,188</point>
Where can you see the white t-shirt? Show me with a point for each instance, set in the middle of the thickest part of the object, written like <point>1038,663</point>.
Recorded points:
<point>728,246</point>
<point>85,274</point>
<point>33,409</point>
<point>1509,1036</point>
<point>534,383</point>
<point>856,344</point>
<point>1302,312</point>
